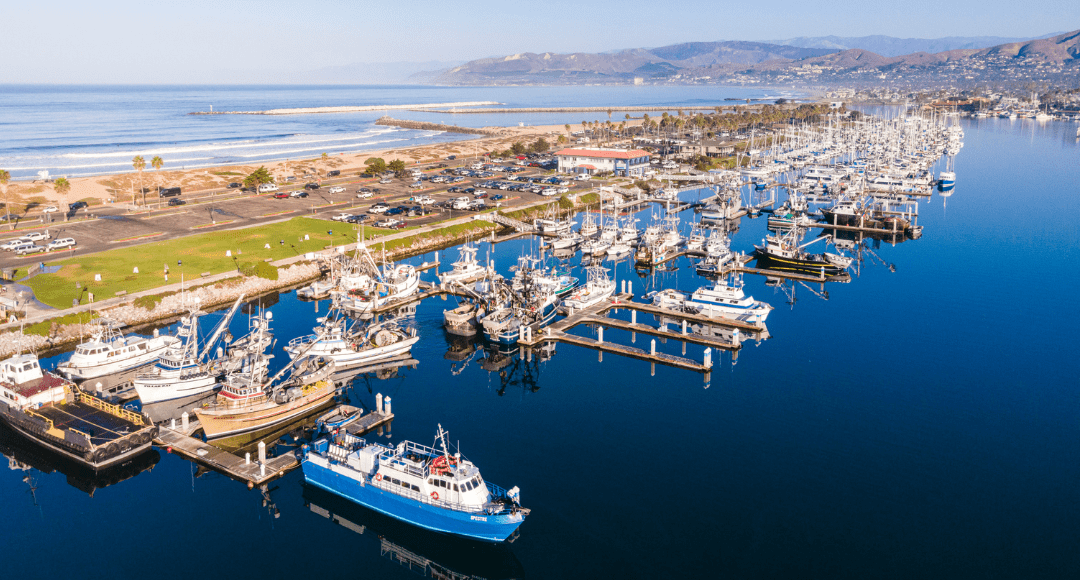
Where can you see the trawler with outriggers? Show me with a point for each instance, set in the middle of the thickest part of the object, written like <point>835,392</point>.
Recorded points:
<point>108,351</point>
<point>424,486</point>
<point>185,370</point>
<point>532,301</point>
<point>51,411</point>
<point>249,403</point>
<point>352,342</point>
<point>783,252</point>
<point>363,286</point>
<point>466,268</point>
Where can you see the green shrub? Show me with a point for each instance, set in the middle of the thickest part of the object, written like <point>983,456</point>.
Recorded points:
<point>263,270</point>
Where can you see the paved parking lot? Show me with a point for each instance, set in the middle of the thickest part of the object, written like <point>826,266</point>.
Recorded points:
<point>228,209</point>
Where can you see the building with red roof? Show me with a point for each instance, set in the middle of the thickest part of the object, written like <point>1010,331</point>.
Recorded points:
<point>596,160</point>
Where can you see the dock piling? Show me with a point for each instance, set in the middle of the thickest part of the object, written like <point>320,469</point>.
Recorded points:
<point>386,406</point>
<point>184,421</point>
<point>684,327</point>
<point>600,334</point>
<point>708,357</point>
<point>736,337</point>
<point>378,403</point>
<point>633,317</point>
<point>247,458</point>
<point>652,348</point>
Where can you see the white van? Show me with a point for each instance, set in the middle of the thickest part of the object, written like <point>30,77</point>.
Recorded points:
<point>267,188</point>
<point>60,243</point>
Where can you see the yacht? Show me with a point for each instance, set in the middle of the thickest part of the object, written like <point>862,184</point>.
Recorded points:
<point>721,300</point>
<point>108,351</point>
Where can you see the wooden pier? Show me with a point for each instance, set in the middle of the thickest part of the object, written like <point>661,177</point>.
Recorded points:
<point>247,469</point>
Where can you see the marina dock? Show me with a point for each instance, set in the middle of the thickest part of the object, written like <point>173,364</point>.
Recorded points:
<point>256,471</point>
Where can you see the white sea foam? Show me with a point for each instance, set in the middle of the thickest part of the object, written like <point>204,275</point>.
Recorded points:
<point>210,147</point>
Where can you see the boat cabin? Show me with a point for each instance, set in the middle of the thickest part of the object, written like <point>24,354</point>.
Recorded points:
<point>23,384</point>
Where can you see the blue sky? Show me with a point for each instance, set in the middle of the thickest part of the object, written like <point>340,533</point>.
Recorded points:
<point>187,41</point>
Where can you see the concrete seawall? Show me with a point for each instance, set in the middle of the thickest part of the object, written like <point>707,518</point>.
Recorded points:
<point>424,126</point>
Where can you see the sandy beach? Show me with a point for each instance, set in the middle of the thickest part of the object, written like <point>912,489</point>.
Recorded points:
<point>119,188</point>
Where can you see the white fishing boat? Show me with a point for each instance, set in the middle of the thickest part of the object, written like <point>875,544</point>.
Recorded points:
<point>597,289</point>
<point>108,351</point>
<point>467,267</point>
<point>566,241</point>
<point>182,371</point>
<point>350,344</point>
<point>364,286</point>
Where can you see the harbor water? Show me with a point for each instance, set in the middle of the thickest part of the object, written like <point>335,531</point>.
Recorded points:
<point>922,420</point>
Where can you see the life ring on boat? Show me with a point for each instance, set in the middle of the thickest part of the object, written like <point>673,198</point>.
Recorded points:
<point>435,495</point>
<point>378,477</point>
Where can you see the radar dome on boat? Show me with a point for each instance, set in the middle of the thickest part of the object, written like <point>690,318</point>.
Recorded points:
<point>269,315</point>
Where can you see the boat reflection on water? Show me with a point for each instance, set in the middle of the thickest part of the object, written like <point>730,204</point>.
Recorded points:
<point>24,455</point>
<point>716,331</point>
<point>424,553</point>
<point>517,366</point>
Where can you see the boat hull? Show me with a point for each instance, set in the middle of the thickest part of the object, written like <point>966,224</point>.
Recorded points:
<point>93,371</point>
<point>166,389</point>
<point>772,262</point>
<point>488,528</point>
<point>234,422</point>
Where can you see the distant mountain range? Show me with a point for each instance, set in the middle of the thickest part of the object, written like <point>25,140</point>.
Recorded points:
<point>892,46</point>
<point>829,59</point>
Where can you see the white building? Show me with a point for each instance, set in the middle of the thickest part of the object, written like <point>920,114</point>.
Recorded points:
<point>593,160</point>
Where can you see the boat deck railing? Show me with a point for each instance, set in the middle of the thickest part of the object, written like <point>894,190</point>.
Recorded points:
<point>487,508</point>
<point>115,410</point>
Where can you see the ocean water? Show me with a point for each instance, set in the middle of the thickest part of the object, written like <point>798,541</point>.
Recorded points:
<point>922,421</point>
<point>93,130</point>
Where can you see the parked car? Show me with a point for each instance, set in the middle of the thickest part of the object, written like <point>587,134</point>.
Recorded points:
<point>60,244</point>
<point>176,201</point>
<point>36,236</point>
<point>234,185</point>
<point>167,191</point>
<point>359,219</point>
<point>364,193</point>
<point>335,189</point>
<point>386,181</point>
<point>282,195</point>
<point>497,197</point>
<point>333,173</point>
<point>77,205</point>
<point>390,223</point>
<point>395,211</point>
<point>424,200</point>
<point>343,217</point>
<point>451,157</point>
<point>480,195</point>
<point>298,193</point>
<point>377,208</point>
<point>28,248</point>
<point>312,185</point>
<point>11,245</point>
<point>267,188</point>
<point>49,209</point>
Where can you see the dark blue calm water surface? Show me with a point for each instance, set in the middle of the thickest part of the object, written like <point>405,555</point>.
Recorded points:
<point>922,422</point>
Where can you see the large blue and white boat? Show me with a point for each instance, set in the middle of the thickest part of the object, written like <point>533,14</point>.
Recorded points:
<point>421,485</point>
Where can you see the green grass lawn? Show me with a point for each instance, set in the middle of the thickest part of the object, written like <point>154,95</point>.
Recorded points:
<point>199,253</point>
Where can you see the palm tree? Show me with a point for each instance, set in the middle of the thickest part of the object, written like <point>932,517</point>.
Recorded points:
<point>609,114</point>
<point>5,178</point>
<point>567,131</point>
<point>139,164</point>
<point>61,186</point>
<point>156,163</point>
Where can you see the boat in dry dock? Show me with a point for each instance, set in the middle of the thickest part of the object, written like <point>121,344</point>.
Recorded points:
<point>51,411</point>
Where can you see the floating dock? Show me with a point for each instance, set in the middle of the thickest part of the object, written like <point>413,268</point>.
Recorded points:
<point>255,471</point>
